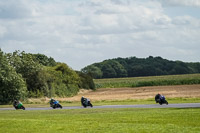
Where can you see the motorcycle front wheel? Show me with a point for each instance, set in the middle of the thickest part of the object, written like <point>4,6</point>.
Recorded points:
<point>23,107</point>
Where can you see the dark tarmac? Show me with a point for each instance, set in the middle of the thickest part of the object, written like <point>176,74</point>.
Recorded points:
<point>182,105</point>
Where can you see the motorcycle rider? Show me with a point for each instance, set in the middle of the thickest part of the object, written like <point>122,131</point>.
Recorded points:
<point>18,105</point>
<point>55,104</point>
<point>15,103</point>
<point>86,102</point>
<point>157,98</point>
<point>160,99</point>
<point>52,101</point>
<point>83,99</point>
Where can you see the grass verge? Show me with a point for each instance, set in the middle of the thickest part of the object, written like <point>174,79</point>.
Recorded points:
<point>129,120</point>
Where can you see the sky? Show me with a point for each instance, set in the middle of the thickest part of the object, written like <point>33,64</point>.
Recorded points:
<point>83,32</point>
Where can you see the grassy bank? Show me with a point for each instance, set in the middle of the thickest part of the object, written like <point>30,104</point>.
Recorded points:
<point>185,79</point>
<point>101,121</point>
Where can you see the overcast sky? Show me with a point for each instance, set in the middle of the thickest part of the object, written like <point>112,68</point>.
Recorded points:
<point>82,32</point>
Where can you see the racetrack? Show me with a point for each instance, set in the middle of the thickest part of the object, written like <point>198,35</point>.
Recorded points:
<point>183,105</point>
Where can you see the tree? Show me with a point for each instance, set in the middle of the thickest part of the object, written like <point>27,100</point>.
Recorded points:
<point>44,60</point>
<point>31,71</point>
<point>93,70</point>
<point>135,71</point>
<point>108,71</point>
<point>86,81</point>
<point>62,80</point>
<point>12,85</point>
<point>119,69</point>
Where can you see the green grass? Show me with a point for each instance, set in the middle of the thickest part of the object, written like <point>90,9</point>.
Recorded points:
<point>89,120</point>
<point>148,81</point>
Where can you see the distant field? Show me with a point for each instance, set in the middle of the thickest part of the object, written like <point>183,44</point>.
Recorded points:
<point>132,120</point>
<point>177,88</point>
<point>140,95</point>
<point>186,79</point>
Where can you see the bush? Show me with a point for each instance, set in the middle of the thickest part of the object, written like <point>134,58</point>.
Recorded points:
<point>12,85</point>
<point>86,81</point>
<point>62,81</point>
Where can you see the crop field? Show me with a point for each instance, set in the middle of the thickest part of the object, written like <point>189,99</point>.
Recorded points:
<point>140,95</point>
<point>130,120</point>
<point>185,79</point>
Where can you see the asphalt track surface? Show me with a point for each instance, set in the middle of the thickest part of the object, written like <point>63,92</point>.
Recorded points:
<point>183,105</point>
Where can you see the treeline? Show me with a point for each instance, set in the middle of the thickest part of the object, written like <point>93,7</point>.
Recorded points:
<point>136,67</point>
<point>24,75</point>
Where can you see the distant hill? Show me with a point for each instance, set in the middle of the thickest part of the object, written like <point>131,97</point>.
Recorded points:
<point>135,67</point>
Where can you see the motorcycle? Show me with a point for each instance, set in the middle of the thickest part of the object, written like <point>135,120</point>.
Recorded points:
<point>55,104</point>
<point>160,99</point>
<point>86,102</point>
<point>18,105</point>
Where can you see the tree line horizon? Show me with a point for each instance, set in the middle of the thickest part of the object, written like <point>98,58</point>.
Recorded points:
<point>25,75</point>
<point>136,67</point>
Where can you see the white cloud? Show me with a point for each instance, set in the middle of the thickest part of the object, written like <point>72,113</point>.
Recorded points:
<point>82,32</point>
<point>13,9</point>
<point>195,3</point>
<point>3,31</point>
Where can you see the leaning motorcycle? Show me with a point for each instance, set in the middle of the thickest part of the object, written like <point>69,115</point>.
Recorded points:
<point>55,104</point>
<point>160,99</point>
<point>163,101</point>
<point>86,102</point>
<point>18,105</point>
